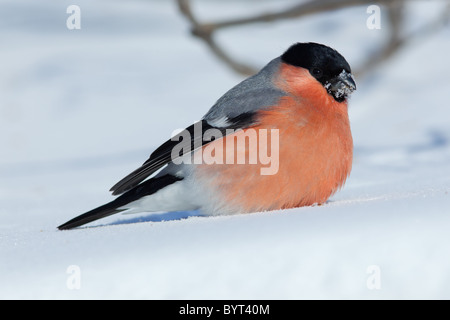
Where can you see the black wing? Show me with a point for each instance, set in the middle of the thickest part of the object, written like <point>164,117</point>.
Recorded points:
<point>163,155</point>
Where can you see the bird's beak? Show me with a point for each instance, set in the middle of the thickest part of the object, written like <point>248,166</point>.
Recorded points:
<point>343,85</point>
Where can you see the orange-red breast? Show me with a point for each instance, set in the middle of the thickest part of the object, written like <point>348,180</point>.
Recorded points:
<point>279,139</point>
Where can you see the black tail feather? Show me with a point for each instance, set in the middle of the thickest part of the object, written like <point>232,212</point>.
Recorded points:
<point>144,189</point>
<point>98,213</point>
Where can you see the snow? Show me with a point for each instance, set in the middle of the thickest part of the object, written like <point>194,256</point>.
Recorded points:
<point>80,109</point>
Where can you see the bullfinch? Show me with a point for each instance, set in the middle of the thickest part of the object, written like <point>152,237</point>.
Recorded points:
<point>279,139</point>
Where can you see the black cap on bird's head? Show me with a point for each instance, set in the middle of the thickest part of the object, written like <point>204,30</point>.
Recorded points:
<point>326,65</point>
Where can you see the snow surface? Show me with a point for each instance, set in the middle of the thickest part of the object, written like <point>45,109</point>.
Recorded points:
<point>80,109</point>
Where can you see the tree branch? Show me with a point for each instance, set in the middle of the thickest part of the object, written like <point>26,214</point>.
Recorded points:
<point>205,31</point>
<point>397,41</point>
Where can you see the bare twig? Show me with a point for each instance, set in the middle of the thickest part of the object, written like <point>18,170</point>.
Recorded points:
<point>207,36</point>
<point>205,31</point>
<point>397,41</point>
<point>299,10</point>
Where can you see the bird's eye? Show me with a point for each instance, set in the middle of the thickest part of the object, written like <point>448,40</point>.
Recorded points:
<point>316,72</point>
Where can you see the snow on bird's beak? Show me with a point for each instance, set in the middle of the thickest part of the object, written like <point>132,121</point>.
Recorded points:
<point>342,85</point>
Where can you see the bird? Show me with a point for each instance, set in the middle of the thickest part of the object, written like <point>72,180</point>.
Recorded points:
<point>299,99</point>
